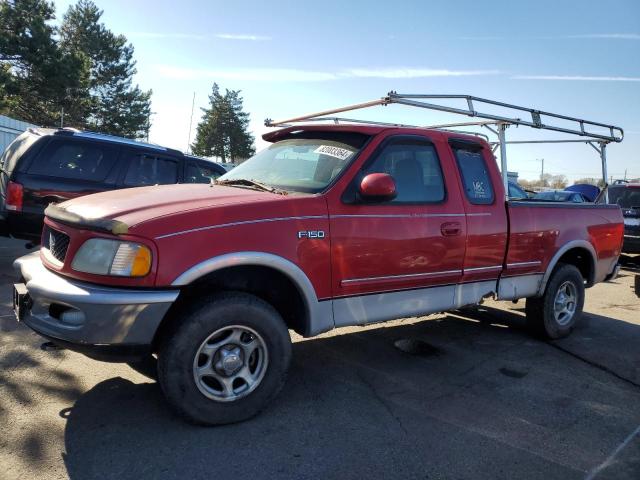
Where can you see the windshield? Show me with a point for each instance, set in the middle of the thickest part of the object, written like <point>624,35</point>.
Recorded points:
<point>306,165</point>
<point>628,197</point>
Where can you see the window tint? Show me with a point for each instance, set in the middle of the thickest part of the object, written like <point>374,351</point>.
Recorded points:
<point>201,173</point>
<point>150,170</point>
<point>475,176</point>
<point>416,170</point>
<point>76,160</point>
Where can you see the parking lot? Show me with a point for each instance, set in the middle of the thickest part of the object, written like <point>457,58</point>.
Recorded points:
<point>455,396</point>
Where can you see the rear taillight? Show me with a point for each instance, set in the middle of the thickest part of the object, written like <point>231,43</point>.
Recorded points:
<point>15,192</point>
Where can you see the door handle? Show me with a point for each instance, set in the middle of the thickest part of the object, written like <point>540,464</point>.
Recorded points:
<point>450,229</point>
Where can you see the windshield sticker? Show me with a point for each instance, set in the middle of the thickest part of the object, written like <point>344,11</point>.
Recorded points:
<point>336,152</point>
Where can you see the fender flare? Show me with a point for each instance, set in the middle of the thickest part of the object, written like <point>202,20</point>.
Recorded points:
<point>564,249</point>
<point>319,317</point>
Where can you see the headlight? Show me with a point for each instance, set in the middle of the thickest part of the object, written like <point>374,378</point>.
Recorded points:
<point>112,257</point>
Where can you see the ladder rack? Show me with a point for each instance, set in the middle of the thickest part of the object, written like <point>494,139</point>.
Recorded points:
<point>596,134</point>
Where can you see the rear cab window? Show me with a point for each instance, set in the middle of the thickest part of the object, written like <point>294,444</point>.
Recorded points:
<point>71,159</point>
<point>476,180</point>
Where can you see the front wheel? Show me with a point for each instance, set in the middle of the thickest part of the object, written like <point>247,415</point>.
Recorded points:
<point>225,359</point>
<point>555,314</point>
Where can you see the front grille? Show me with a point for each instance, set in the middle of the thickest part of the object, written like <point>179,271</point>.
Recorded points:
<point>56,242</point>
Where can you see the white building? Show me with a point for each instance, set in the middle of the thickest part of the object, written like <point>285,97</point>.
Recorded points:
<point>10,129</point>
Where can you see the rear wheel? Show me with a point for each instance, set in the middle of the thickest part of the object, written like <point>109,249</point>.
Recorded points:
<point>555,314</point>
<point>225,359</point>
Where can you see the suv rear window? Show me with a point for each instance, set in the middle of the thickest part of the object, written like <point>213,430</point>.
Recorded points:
<point>626,197</point>
<point>75,160</point>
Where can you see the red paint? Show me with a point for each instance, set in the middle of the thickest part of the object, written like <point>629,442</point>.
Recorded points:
<point>367,248</point>
<point>378,185</point>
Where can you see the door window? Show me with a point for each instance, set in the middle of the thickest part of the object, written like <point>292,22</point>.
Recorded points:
<point>415,168</point>
<point>75,160</point>
<point>201,173</point>
<point>151,170</point>
<point>475,175</point>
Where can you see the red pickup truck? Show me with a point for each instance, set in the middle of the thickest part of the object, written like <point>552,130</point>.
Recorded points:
<point>330,226</point>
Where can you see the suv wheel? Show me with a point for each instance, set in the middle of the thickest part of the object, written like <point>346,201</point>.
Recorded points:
<point>225,359</point>
<point>555,314</point>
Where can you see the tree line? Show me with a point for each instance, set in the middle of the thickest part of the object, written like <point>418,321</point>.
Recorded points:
<point>79,73</point>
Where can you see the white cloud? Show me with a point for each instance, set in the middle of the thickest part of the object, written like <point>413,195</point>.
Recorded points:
<point>579,78</point>
<point>235,36</point>
<point>197,36</point>
<point>412,73</point>
<point>295,75</point>
<point>619,36</point>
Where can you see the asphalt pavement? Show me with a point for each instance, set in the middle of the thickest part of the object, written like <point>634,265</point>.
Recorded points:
<point>465,395</point>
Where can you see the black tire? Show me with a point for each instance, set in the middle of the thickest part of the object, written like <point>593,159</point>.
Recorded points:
<point>541,315</point>
<point>194,326</point>
<point>148,367</point>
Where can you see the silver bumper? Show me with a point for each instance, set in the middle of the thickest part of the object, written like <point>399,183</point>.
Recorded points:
<point>81,313</point>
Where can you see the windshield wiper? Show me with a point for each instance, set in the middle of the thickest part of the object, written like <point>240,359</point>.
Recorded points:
<point>248,183</point>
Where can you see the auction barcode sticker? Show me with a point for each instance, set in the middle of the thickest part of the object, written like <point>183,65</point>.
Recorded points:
<point>336,152</point>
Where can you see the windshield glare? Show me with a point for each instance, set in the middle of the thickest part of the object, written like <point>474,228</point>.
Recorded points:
<point>299,165</point>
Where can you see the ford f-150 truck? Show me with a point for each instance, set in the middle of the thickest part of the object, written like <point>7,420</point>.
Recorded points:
<point>328,227</point>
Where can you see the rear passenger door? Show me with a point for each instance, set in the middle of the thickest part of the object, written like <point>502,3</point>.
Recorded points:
<point>145,168</point>
<point>67,168</point>
<point>485,210</point>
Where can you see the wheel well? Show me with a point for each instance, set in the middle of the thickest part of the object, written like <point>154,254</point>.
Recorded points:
<point>269,284</point>
<point>581,258</point>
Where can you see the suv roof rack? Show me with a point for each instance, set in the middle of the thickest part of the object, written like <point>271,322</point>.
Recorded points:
<point>597,135</point>
<point>110,138</point>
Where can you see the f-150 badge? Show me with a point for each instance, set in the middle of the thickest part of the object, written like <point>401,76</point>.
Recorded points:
<point>311,234</point>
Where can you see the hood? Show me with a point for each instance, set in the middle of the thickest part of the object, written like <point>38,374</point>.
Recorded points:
<point>125,208</point>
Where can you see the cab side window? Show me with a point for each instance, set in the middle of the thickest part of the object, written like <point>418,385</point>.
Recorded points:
<point>200,173</point>
<point>150,170</point>
<point>415,167</point>
<point>476,180</point>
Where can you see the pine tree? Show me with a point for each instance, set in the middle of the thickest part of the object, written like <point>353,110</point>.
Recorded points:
<point>38,80</point>
<point>223,130</point>
<point>117,107</point>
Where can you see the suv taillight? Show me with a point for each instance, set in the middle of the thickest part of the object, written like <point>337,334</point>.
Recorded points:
<point>14,197</point>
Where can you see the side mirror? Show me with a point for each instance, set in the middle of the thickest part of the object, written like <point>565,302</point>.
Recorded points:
<point>378,187</point>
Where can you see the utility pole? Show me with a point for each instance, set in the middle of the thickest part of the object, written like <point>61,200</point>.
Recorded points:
<point>193,102</point>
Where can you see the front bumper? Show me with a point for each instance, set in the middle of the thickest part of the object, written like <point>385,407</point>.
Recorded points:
<point>107,323</point>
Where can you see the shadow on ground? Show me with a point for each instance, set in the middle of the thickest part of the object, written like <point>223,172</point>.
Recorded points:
<point>474,398</point>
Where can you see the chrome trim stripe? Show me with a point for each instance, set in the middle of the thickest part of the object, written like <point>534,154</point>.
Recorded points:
<point>394,277</point>
<point>484,214</point>
<point>406,215</point>
<point>524,264</point>
<point>233,224</point>
<point>479,269</point>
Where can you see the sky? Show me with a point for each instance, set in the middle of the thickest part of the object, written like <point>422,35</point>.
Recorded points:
<point>578,58</point>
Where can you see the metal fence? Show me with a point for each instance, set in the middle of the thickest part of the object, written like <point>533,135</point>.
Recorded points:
<point>10,129</point>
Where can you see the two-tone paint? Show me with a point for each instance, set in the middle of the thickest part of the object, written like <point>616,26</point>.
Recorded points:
<point>374,261</point>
